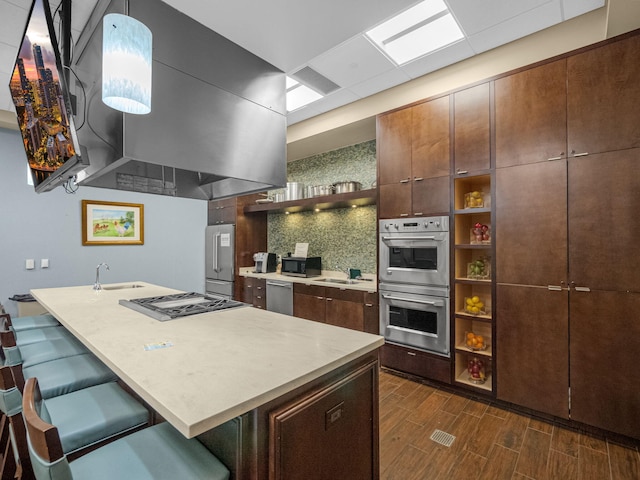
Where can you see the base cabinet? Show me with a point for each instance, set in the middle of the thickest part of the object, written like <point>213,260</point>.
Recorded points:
<point>330,434</point>
<point>415,362</point>
<point>255,292</point>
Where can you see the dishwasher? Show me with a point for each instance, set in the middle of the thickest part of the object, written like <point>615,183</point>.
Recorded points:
<point>280,297</point>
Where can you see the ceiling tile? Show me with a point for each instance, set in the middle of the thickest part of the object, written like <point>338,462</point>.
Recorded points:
<point>518,27</point>
<point>438,59</point>
<point>379,83</point>
<point>474,16</point>
<point>352,62</point>
<point>14,19</point>
<point>574,8</point>
<point>26,4</point>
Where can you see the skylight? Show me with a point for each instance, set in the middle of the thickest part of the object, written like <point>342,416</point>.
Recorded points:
<point>299,95</point>
<point>422,29</point>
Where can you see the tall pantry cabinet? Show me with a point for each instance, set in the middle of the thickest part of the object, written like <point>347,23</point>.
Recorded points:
<point>567,183</point>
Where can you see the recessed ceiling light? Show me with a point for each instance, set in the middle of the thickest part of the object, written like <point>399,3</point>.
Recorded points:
<point>299,95</point>
<point>416,32</point>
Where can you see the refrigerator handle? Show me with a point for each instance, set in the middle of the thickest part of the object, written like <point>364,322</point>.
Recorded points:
<point>215,252</point>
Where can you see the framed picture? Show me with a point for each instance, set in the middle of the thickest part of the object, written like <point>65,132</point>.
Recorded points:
<point>112,223</point>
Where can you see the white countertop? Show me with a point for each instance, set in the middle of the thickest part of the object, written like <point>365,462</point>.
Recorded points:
<point>221,364</point>
<point>361,285</point>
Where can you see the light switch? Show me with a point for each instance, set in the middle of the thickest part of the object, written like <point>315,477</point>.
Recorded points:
<point>44,263</point>
<point>30,264</point>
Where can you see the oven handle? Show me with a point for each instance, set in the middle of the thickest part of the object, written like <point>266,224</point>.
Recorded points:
<point>424,302</point>
<point>416,332</point>
<point>430,237</point>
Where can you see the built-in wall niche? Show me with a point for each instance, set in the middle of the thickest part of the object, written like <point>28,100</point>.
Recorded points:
<point>343,237</point>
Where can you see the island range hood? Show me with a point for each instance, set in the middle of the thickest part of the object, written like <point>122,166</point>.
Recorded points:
<point>217,126</point>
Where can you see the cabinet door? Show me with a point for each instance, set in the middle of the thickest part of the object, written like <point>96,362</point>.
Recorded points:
<point>371,313</point>
<point>604,222</point>
<point>345,314</point>
<point>531,115</point>
<point>430,152</point>
<point>531,215</point>
<point>394,146</point>
<point>222,211</point>
<point>431,196</point>
<point>311,307</point>
<point>603,98</point>
<point>605,341</point>
<point>533,358</point>
<point>472,140</point>
<point>394,200</point>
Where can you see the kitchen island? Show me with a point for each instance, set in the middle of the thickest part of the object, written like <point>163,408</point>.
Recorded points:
<point>251,384</point>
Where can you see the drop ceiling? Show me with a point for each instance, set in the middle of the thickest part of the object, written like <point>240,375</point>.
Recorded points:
<point>327,36</point>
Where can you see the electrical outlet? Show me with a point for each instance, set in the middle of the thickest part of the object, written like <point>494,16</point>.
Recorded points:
<point>30,264</point>
<point>44,263</point>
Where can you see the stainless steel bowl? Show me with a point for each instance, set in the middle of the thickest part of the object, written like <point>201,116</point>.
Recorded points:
<point>294,191</point>
<point>346,187</point>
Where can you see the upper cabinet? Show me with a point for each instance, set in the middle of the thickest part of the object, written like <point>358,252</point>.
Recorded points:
<point>531,115</point>
<point>472,129</point>
<point>414,160</point>
<point>603,98</point>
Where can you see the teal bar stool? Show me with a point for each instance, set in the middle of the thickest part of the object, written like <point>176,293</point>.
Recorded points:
<point>153,453</point>
<point>85,419</point>
<point>19,324</point>
<point>39,352</point>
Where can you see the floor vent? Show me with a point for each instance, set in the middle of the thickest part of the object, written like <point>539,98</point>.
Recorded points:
<point>443,438</point>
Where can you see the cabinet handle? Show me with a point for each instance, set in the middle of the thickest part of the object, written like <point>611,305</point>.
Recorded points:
<point>461,172</point>
<point>574,154</point>
<point>417,179</point>
<point>368,304</point>
<point>320,298</point>
<point>555,158</point>
<point>329,299</point>
<point>404,214</point>
<point>582,289</point>
<point>411,353</point>
<point>418,213</point>
<point>405,180</point>
<point>554,288</point>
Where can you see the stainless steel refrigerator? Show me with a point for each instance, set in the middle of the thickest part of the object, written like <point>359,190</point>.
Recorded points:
<point>219,258</point>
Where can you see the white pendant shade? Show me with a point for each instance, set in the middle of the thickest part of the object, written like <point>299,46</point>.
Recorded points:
<point>126,64</point>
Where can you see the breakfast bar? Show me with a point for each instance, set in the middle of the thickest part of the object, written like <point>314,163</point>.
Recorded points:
<point>238,378</point>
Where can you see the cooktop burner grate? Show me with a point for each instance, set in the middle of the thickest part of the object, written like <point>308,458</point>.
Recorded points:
<point>168,307</point>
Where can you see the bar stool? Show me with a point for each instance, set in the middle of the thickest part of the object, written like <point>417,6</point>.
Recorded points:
<point>156,452</point>
<point>85,419</point>
<point>38,352</point>
<point>19,324</point>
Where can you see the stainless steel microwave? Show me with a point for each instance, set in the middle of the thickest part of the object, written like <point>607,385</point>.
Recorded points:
<point>302,267</point>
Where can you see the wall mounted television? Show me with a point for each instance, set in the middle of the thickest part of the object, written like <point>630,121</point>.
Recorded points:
<point>43,104</point>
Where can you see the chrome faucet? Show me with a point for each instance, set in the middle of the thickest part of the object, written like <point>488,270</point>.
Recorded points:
<point>96,286</point>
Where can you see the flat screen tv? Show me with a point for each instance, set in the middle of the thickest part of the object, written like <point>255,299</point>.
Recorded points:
<point>43,105</point>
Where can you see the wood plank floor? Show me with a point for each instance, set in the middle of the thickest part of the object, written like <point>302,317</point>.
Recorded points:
<point>490,443</point>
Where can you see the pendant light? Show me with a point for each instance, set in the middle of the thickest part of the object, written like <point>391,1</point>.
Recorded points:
<point>126,64</point>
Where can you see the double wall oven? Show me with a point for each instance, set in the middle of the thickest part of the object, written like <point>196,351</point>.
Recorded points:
<point>414,282</point>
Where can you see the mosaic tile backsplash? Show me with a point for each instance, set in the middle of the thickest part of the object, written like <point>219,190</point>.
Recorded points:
<point>343,237</point>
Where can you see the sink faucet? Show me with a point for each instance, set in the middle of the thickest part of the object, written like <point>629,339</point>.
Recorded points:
<point>96,286</point>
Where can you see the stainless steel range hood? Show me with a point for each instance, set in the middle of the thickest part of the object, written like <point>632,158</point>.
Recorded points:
<point>217,126</point>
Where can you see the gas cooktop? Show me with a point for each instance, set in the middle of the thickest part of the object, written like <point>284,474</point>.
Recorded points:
<point>168,307</point>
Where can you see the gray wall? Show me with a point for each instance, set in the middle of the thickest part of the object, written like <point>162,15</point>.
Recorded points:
<point>344,238</point>
<point>48,225</point>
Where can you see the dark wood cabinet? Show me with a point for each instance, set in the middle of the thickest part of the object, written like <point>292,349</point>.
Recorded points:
<point>605,339</point>
<point>603,98</point>
<point>371,313</point>
<point>394,146</point>
<point>533,337</point>
<point>531,115</point>
<point>414,160</point>
<point>329,434</point>
<point>472,129</point>
<point>345,308</point>
<point>309,302</point>
<point>604,221</point>
<point>531,241</point>
<point>222,211</point>
<point>415,362</point>
<point>255,292</point>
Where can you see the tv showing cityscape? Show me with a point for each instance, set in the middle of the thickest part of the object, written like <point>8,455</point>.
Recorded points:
<point>42,102</point>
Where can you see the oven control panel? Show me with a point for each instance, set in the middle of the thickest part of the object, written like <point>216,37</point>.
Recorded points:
<point>417,224</point>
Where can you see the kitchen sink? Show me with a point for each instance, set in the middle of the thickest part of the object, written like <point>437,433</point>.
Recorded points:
<point>121,287</point>
<point>342,281</point>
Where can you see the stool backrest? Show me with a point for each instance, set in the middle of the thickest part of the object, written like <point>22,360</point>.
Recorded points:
<point>11,406</point>
<point>47,457</point>
<point>10,349</point>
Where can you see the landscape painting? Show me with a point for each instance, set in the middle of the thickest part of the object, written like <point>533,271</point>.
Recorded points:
<point>112,223</point>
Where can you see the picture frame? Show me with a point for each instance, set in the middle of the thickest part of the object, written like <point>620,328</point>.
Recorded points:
<point>112,223</point>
